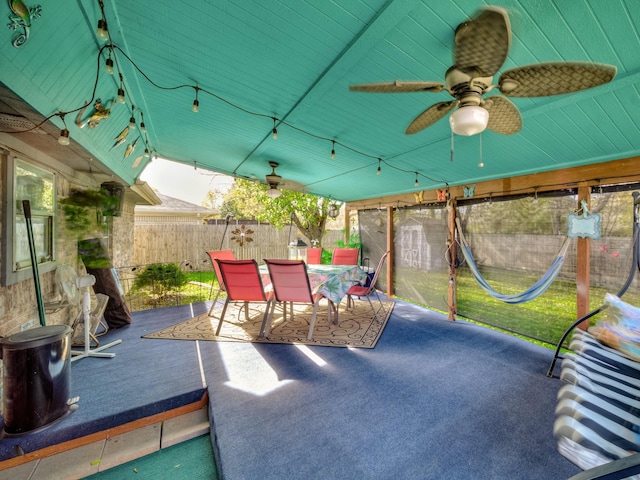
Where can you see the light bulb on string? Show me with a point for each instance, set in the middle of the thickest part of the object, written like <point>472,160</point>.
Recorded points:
<point>102,31</point>
<point>121,98</point>
<point>416,183</point>
<point>274,132</point>
<point>63,139</point>
<point>109,65</point>
<point>196,104</point>
<point>132,120</point>
<point>379,171</point>
<point>333,149</point>
<point>143,128</point>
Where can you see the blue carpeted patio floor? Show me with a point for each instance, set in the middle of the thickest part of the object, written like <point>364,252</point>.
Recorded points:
<point>435,399</point>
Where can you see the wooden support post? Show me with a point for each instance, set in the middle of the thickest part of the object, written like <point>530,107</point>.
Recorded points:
<point>452,248</point>
<point>390,258</point>
<point>583,264</point>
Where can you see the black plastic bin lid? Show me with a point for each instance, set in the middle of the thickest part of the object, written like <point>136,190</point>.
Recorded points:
<point>35,337</point>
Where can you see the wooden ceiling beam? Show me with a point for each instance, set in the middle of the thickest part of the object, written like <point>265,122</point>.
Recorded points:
<point>607,173</point>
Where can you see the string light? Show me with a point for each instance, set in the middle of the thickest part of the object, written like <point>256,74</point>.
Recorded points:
<point>120,98</point>
<point>63,139</point>
<point>196,104</point>
<point>112,61</point>
<point>132,120</point>
<point>416,182</point>
<point>143,128</point>
<point>102,31</point>
<point>109,65</point>
<point>333,149</point>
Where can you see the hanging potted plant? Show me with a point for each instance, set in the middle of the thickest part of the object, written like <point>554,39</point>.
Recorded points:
<point>85,212</point>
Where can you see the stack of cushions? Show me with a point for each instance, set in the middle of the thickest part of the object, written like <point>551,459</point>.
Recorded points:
<point>620,329</point>
<point>597,415</point>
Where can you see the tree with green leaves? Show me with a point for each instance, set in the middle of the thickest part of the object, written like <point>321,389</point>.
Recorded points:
<point>248,199</point>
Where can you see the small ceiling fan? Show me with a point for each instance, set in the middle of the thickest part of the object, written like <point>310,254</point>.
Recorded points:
<point>481,45</point>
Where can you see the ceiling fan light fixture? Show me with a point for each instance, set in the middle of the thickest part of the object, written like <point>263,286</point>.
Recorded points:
<point>469,120</point>
<point>273,193</point>
<point>273,180</point>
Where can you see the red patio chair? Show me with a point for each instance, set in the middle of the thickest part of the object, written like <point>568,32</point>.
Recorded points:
<point>291,284</point>
<point>314,256</point>
<point>243,283</point>
<point>345,256</point>
<point>222,255</point>
<point>367,290</point>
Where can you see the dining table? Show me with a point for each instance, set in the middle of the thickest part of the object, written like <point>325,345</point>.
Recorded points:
<point>330,281</point>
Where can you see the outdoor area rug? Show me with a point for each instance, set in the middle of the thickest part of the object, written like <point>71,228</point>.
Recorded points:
<point>356,327</point>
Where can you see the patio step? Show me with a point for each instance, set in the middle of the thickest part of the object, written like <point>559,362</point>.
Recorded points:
<point>80,462</point>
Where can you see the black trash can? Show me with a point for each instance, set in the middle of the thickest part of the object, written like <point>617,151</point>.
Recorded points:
<point>36,378</point>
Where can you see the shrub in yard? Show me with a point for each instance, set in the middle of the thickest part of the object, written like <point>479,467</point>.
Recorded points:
<point>161,278</point>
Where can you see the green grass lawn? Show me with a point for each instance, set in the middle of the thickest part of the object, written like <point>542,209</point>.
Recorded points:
<point>545,318</point>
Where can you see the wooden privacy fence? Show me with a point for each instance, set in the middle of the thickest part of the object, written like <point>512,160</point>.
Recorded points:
<point>175,243</point>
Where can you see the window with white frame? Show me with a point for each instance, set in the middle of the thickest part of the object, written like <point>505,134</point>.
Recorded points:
<point>27,182</point>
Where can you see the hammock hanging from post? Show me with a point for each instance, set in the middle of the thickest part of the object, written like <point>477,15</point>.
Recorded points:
<point>530,293</point>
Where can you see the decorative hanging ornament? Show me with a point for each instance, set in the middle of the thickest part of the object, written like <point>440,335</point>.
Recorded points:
<point>130,148</point>
<point>99,112</point>
<point>121,138</point>
<point>585,225</point>
<point>21,18</point>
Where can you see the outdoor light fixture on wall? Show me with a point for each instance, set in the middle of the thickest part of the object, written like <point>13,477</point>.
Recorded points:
<point>273,180</point>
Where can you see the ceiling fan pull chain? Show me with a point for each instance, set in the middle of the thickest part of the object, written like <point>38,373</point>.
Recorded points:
<point>452,156</point>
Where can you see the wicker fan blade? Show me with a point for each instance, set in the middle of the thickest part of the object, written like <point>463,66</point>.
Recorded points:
<point>544,79</point>
<point>504,116</point>
<point>482,43</point>
<point>398,87</point>
<point>430,116</point>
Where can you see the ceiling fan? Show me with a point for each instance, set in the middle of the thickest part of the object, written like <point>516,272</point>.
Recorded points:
<point>481,45</point>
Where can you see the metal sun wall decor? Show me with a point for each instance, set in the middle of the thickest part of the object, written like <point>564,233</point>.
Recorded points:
<point>21,17</point>
<point>242,235</point>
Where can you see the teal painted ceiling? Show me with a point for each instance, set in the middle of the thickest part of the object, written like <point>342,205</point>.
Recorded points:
<point>291,62</point>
